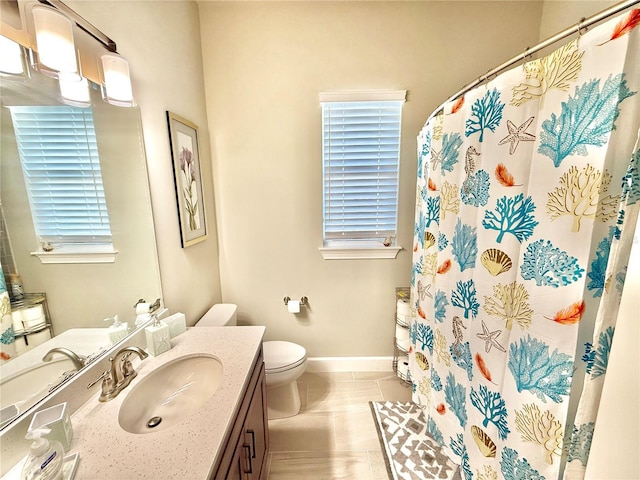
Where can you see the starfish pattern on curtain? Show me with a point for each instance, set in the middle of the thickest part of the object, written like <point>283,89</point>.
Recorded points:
<point>527,201</point>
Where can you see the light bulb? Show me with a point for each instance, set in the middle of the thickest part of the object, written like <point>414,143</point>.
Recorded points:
<point>11,58</point>
<point>74,92</point>
<point>116,87</point>
<point>54,42</point>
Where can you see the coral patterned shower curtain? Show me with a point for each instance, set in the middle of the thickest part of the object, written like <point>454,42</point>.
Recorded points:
<point>527,200</point>
<point>7,337</point>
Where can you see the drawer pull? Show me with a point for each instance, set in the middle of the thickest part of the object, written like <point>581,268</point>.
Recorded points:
<point>248,447</point>
<point>253,441</point>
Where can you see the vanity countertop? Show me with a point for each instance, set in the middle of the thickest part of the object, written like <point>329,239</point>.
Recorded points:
<point>187,450</point>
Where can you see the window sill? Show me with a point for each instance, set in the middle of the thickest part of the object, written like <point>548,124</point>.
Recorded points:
<point>353,252</point>
<point>85,254</point>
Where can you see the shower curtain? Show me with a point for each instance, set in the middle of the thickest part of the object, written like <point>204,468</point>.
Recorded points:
<point>527,199</point>
<point>7,337</point>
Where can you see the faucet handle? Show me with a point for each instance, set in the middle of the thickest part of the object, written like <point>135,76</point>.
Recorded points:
<point>104,374</point>
<point>106,380</point>
<point>127,366</point>
<point>108,386</point>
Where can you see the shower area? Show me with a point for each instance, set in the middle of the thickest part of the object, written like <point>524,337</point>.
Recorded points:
<point>528,195</point>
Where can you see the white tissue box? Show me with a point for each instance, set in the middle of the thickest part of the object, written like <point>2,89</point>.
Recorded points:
<point>58,421</point>
<point>177,324</point>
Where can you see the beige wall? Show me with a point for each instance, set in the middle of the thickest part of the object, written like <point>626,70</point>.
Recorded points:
<point>560,14</point>
<point>264,65</point>
<point>161,40</point>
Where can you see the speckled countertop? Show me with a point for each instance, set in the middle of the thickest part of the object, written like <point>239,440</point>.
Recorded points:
<point>187,450</point>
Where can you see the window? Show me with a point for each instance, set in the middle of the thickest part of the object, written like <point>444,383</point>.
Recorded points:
<point>361,156</point>
<point>61,167</point>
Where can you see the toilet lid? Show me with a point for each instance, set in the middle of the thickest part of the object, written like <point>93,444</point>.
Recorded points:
<point>280,356</point>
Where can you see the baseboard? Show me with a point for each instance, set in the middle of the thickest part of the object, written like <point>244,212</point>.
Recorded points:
<point>350,364</point>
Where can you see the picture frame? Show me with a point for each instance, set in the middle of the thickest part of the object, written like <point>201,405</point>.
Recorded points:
<point>185,155</point>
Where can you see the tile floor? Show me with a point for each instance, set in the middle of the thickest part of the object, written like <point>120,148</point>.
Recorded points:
<point>333,436</point>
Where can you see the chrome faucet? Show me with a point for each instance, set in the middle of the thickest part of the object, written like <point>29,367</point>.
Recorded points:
<point>119,374</point>
<point>79,361</point>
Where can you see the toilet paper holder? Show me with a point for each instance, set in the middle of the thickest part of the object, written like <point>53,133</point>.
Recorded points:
<point>303,301</point>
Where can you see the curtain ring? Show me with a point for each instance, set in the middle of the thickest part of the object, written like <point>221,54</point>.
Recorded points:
<point>580,27</point>
<point>526,57</point>
<point>486,78</point>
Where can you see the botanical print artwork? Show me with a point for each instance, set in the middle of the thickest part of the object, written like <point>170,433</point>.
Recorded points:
<point>188,180</point>
<point>185,154</point>
<point>528,193</point>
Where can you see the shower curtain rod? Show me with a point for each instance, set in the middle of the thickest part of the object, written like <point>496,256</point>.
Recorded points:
<point>577,28</point>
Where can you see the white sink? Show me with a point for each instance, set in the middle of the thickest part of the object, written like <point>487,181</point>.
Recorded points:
<point>170,393</point>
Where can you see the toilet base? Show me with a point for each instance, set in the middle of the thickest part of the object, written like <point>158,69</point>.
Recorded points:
<point>283,401</point>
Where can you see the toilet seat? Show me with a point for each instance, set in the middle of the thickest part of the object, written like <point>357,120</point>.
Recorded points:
<point>280,356</point>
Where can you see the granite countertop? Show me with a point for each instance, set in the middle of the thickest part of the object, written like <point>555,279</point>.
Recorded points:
<point>187,450</point>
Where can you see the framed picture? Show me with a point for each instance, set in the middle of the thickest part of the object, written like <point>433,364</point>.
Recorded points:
<point>185,154</point>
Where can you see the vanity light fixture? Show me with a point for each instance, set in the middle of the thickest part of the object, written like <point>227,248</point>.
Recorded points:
<point>74,92</point>
<point>55,54</point>
<point>12,59</point>
<point>54,43</point>
<point>116,81</point>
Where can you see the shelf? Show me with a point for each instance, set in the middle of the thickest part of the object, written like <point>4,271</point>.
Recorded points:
<point>401,323</point>
<point>29,331</point>
<point>30,300</point>
<point>398,356</point>
<point>399,352</point>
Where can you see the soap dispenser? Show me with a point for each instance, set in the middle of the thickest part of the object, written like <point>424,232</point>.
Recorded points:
<point>158,335</point>
<point>118,331</point>
<point>45,458</point>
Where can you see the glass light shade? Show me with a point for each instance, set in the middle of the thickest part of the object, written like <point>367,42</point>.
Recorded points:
<point>116,82</point>
<point>12,60</point>
<point>74,92</point>
<point>54,42</point>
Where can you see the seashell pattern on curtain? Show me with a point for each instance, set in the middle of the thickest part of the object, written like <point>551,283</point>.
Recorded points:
<point>527,200</point>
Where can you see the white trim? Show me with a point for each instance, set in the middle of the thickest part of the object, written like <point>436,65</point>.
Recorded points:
<point>359,253</point>
<point>350,364</point>
<point>84,254</point>
<point>364,96</point>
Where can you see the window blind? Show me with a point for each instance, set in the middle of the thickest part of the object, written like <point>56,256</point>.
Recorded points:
<point>59,157</point>
<point>361,151</point>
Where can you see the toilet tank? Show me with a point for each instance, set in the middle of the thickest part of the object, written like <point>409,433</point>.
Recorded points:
<point>221,314</point>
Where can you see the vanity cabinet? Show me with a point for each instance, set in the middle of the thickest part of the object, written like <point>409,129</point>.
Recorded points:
<point>245,455</point>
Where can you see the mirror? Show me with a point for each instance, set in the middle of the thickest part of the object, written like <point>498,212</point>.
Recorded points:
<point>80,295</point>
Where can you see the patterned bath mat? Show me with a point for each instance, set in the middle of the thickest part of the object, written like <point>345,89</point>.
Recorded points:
<point>410,452</point>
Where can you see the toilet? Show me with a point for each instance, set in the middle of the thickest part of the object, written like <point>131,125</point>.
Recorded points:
<point>284,363</point>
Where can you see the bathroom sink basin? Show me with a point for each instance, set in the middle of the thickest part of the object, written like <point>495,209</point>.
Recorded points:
<point>170,393</point>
